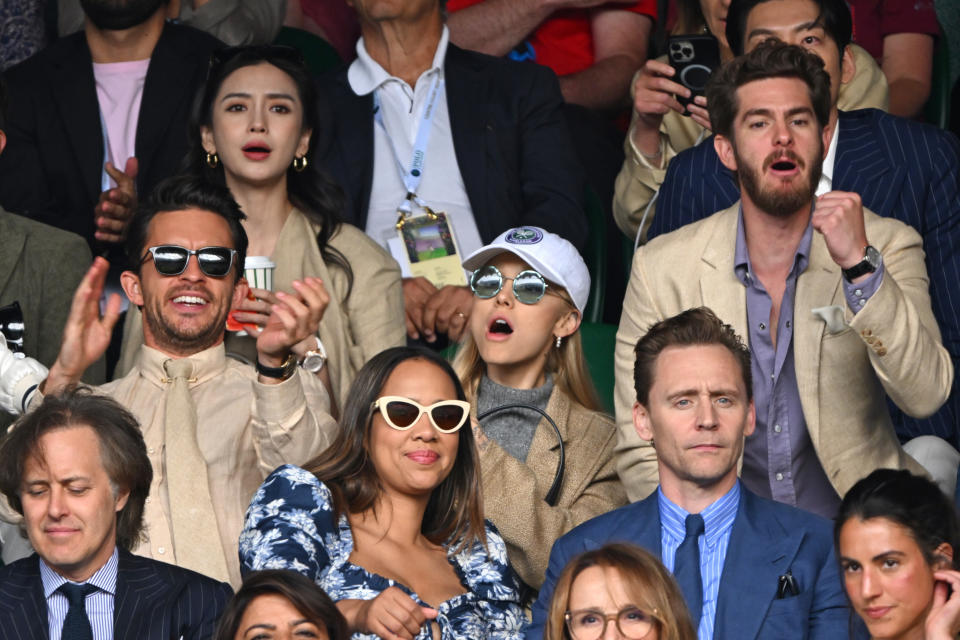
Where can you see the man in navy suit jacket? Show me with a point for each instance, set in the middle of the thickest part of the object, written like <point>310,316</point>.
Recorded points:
<point>765,570</point>
<point>900,168</point>
<point>77,470</point>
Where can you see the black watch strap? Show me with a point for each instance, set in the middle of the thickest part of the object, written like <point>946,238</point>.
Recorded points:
<point>869,264</point>
<point>282,372</point>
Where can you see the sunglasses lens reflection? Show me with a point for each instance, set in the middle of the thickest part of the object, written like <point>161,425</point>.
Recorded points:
<point>529,287</point>
<point>402,414</point>
<point>447,417</point>
<point>486,282</point>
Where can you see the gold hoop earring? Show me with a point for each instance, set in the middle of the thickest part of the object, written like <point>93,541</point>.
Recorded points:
<point>213,160</point>
<point>299,164</point>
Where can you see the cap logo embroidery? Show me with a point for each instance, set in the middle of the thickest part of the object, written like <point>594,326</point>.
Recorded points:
<point>524,235</point>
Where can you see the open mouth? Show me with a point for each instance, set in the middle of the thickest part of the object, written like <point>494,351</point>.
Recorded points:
<point>499,326</point>
<point>190,301</point>
<point>256,151</point>
<point>784,165</point>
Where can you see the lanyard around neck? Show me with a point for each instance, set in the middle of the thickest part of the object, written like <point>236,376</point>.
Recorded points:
<point>414,175</point>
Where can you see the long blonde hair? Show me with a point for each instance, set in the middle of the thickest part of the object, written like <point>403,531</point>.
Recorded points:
<point>566,363</point>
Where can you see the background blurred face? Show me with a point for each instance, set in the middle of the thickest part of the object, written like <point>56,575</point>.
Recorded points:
<point>604,590</point>
<point>273,617</point>
<point>187,313</point>
<point>887,577</point>
<point>257,125</point>
<point>415,461</point>
<point>68,504</point>
<point>119,14</point>
<point>513,337</point>
<point>715,15</point>
<point>698,415</point>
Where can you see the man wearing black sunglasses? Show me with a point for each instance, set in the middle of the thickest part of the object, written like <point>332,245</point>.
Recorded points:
<point>214,427</point>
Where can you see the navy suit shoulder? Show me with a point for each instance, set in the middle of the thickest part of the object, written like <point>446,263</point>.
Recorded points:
<point>511,142</point>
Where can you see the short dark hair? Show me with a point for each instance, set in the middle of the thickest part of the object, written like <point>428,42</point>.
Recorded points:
<point>834,17</point>
<point>770,59</point>
<point>122,451</point>
<point>454,511</point>
<point>693,327</point>
<point>913,502</point>
<point>305,596</point>
<point>177,194</point>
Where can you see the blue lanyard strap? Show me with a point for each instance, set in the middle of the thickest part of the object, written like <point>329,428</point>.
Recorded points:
<point>411,177</point>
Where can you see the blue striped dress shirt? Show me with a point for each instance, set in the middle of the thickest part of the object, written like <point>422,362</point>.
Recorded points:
<point>718,523</point>
<point>99,604</point>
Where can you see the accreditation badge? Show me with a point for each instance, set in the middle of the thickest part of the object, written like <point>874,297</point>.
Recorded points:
<point>431,249</point>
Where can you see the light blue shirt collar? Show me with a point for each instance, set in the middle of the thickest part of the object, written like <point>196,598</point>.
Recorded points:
<point>104,579</point>
<point>717,518</point>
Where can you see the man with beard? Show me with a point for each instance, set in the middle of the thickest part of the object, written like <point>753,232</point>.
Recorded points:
<point>832,298</point>
<point>214,427</point>
<point>100,116</point>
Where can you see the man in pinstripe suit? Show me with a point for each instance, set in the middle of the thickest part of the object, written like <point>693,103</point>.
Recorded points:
<point>77,469</point>
<point>901,169</point>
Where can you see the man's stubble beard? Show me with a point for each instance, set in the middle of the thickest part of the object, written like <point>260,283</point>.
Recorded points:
<point>174,341</point>
<point>118,15</point>
<point>777,203</point>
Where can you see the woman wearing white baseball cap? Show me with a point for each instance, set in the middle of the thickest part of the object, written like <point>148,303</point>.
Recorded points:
<point>523,348</point>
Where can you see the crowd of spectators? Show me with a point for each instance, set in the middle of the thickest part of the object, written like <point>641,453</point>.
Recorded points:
<point>300,348</point>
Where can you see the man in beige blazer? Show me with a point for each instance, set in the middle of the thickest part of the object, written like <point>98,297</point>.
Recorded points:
<point>861,325</point>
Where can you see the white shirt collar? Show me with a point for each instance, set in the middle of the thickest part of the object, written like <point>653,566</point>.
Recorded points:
<point>365,74</point>
<point>826,175</point>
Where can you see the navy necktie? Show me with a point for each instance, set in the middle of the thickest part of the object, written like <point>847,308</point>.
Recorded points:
<point>686,567</point>
<point>76,626</point>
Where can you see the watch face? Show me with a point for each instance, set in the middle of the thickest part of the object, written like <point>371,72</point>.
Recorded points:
<point>872,256</point>
<point>313,362</point>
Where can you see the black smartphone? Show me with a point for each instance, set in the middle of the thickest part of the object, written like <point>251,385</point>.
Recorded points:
<point>694,58</point>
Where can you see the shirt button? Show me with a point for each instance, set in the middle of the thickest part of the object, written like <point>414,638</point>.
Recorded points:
<point>762,326</point>
<point>858,292</point>
<point>150,450</point>
<point>777,428</point>
<point>788,324</point>
<point>147,500</point>
<point>163,550</point>
<point>861,302</point>
<point>779,476</point>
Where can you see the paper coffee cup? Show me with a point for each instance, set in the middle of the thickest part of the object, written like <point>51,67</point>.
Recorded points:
<point>258,271</point>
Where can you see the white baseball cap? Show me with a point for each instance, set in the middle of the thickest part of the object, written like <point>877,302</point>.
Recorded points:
<point>555,258</point>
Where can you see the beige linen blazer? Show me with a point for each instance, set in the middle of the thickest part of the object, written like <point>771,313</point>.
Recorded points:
<point>845,364</point>
<point>638,180</point>
<point>513,491</point>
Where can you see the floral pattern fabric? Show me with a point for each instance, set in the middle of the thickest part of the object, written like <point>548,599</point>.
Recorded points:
<point>291,525</point>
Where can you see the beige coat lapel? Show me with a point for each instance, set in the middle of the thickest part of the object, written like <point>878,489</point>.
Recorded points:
<point>542,458</point>
<point>719,288</point>
<point>818,286</point>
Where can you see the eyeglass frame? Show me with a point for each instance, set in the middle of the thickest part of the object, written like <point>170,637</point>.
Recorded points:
<point>654,620</point>
<point>382,408</point>
<point>546,285</point>
<point>152,252</point>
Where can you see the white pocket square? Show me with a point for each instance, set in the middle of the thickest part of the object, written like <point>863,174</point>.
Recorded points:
<point>832,316</point>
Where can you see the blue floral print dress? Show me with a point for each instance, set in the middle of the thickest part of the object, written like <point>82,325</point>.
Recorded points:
<point>291,525</point>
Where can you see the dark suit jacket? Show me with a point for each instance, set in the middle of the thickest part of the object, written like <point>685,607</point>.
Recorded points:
<point>512,145</point>
<point>154,601</point>
<point>901,169</point>
<point>767,540</point>
<point>51,168</point>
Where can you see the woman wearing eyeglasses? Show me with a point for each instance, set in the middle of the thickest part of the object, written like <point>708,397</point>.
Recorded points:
<point>388,520</point>
<point>523,347</point>
<point>618,591</point>
<point>253,130</point>
<point>898,542</point>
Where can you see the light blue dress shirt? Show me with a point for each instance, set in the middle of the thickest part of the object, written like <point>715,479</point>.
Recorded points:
<point>99,605</point>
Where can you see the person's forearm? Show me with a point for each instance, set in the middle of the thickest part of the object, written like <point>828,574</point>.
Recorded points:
<point>603,86</point>
<point>907,97</point>
<point>495,27</point>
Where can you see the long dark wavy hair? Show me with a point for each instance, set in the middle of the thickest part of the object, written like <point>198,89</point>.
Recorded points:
<point>454,512</point>
<point>313,191</point>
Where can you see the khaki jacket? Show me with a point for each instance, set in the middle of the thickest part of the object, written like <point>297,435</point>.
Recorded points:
<point>638,180</point>
<point>514,491</point>
<point>846,364</point>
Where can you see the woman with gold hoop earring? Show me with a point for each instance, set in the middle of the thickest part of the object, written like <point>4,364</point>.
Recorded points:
<point>253,131</point>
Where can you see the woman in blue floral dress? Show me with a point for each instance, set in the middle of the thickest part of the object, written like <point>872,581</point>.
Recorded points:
<point>388,521</point>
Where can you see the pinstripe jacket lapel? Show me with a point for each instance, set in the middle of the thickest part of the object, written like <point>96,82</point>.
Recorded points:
<point>23,610</point>
<point>864,166</point>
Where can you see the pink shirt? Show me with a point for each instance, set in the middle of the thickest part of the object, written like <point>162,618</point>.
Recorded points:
<point>119,91</point>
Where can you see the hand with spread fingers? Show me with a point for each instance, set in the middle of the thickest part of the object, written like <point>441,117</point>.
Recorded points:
<point>294,318</point>
<point>943,621</point>
<point>87,333</point>
<point>117,205</point>
<point>391,615</point>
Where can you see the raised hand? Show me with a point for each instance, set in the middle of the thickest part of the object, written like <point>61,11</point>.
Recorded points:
<point>294,318</point>
<point>116,206</point>
<point>838,215</point>
<point>87,333</point>
<point>943,620</point>
<point>654,94</point>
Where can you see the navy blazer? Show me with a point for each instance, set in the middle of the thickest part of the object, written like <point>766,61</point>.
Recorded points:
<point>511,141</point>
<point>768,539</point>
<point>901,169</point>
<point>51,169</point>
<point>154,601</point>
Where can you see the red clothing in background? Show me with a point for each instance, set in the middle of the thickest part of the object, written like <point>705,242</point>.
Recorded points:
<point>875,19</point>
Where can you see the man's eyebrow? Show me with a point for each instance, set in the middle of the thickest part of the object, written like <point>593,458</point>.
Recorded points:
<point>804,26</point>
<point>759,111</point>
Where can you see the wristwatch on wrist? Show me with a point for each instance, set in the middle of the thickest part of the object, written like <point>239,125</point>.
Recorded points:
<point>314,359</point>
<point>282,372</point>
<point>869,264</point>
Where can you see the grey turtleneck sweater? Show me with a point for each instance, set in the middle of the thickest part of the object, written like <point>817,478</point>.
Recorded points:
<point>512,429</point>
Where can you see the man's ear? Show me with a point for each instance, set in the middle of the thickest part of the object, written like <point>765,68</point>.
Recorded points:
<point>240,291</point>
<point>724,148</point>
<point>848,65</point>
<point>122,496</point>
<point>130,282</point>
<point>641,422</point>
<point>3,140</point>
<point>751,425</point>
